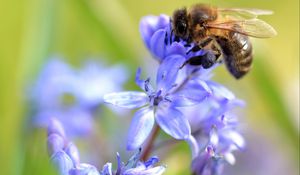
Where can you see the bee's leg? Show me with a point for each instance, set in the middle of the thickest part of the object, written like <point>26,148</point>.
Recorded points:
<point>216,51</point>
<point>202,44</point>
<point>185,63</point>
<point>209,59</point>
<point>206,61</point>
<point>206,42</point>
<point>196,48</point>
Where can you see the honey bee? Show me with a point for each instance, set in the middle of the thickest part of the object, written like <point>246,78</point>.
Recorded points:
<point>223,31</point>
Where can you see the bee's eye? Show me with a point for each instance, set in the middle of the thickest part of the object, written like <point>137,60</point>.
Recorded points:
<point>181,28</point>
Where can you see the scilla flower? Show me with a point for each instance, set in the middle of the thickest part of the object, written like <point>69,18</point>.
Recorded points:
<point>65,157</point>
<point>157,35</point>
<point>64,154</point>
<point>71,95</point>
<point>212,123</point>
<point>134,166</point>
<point>215,128</point>
<point>160,104</point>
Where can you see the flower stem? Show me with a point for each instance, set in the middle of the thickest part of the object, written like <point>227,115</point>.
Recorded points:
<point>165,144</point>
<point>149,145</point>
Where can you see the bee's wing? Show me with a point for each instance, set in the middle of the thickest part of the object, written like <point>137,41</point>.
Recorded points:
<point>243,12</point>
<point>253,27</point>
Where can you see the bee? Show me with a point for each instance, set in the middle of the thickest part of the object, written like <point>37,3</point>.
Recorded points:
<point>223,31</point>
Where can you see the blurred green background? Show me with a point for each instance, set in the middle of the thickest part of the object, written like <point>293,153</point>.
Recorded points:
<point>33,30</point>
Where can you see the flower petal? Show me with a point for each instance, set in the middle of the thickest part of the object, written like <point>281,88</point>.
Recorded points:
<point>220,91</point>
<point>119,164</point>
<point>141,126</point>
<point>193,145</point>
<point>62,162</point>
<point>176,48</point>
<point>143,84</point>
<point>107,169</point>
<point>213,137</point>
<point>73,153</point>
<point>150,24</point>
<point>75,120</point>
<point>55,143</point>
<point>235,138</point>
<point>167,72</point>
<point>141,170</point>
<point>138,80</point>
<point>229,157</point>
<point>193,93</point>
<point>157,43</point>
<point>56,79</point>
<point>84,169</point>
<point>154,171</point>
<point>128,99</point>
<point>133,160</point>
<point>173,122</point>
<point>92,74</point>
<point>55,127</point>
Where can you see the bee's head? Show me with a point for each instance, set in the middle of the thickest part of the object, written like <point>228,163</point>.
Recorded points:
<point>180,23</point>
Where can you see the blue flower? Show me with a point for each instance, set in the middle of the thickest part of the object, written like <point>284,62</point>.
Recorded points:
<point>65,157</point>
<point>208,163</point>
<point>212,123</point>
<point>63,154</point>
<point>84,169</point>
<point>158,38</point>
<point>160,104</point>
<point>214,156</point>
<point>71,95</point>
<point>55,80</point>
<point>135,167</point>
<point>77,121</point>
<point>215,128</point>
<point>96,80</point>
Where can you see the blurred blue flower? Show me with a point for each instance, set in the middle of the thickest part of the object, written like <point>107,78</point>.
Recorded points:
<point>208,163</point>
<point>214,156</point>
<point>71,95</point>
<point>65,157</point>
<point>77,121</point>
<point>64,154</point>
<point>160,105</point>
<point>54,81</point>
<point>215,128</point>
<point>97,80</point>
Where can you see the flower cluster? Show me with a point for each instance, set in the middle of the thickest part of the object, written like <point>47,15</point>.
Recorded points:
<point>72,95</point>
<point>185,103</point>
<point>65,157</point>
<point>215,128</point>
